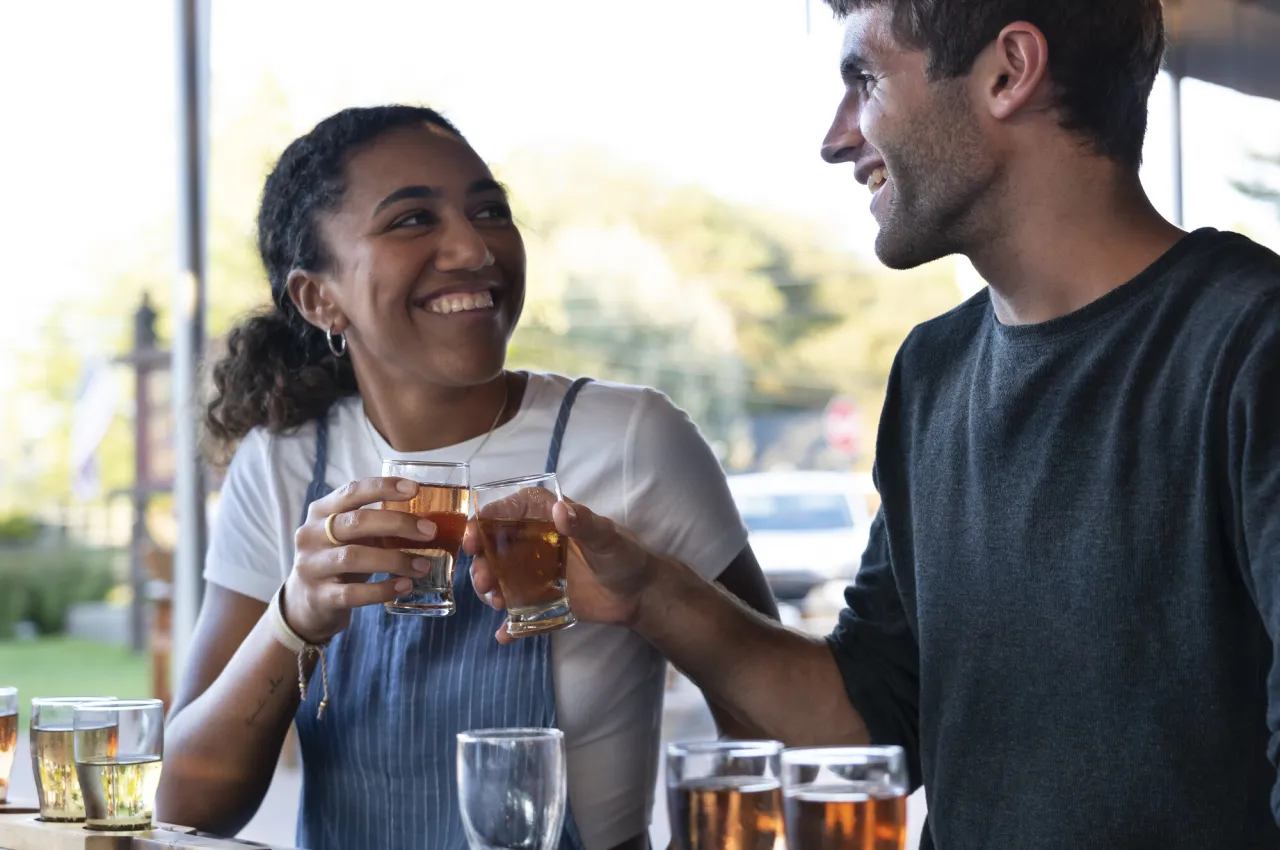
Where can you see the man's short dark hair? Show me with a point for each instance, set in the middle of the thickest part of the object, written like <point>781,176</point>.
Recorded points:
<point>1104,55</point>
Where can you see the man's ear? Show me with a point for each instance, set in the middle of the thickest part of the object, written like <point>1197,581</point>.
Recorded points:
<point>1012,73</point>
<point>309,296</point>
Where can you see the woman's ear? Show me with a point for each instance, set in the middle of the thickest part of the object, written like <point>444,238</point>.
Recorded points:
<point>308,294</point>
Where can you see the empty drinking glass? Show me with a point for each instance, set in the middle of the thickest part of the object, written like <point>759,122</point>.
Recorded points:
<point>512,788</point>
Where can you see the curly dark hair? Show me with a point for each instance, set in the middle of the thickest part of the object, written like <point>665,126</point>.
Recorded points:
<point>1104,55</point>
<point>278,371</point>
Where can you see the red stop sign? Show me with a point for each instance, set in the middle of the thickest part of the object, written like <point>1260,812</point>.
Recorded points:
<point>842,425</point>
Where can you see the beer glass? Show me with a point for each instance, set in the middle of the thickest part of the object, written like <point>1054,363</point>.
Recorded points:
<point>53,758</point>
<point>119,748</point>
<point>8,737</point>
<point>525,552</point>
<point>444,497</point>
<point>512,788</point>
<point>845,798</point>
<point>724,794</point>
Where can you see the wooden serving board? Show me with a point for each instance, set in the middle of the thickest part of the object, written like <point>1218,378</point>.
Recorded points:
<point>27,832</point>
<point>19,806</point>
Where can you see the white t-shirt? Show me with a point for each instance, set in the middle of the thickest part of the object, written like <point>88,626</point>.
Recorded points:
<point>628,454</point>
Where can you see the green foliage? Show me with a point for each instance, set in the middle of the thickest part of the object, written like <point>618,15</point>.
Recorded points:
<point>41,584</point>
<point>19,528</point>
<point>63,667</point>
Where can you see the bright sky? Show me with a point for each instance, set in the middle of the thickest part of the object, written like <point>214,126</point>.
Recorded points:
<point>732,94</point>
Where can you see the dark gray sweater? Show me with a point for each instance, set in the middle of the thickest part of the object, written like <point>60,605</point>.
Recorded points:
<point>1069,606</point>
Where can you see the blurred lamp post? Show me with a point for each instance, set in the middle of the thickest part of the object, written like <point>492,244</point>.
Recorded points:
<point>192,18</point>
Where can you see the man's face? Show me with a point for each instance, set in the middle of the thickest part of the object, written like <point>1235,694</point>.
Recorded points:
<point>917,144</point>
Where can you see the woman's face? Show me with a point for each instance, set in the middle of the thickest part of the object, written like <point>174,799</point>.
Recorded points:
<point>427,266</point>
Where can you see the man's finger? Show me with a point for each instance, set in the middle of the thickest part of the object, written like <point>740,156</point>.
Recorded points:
<point>592,532</point>
<point>471,539</point>
<point>502,636</point>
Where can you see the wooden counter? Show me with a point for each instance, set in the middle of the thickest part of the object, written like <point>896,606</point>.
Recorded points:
<point>27,832</point>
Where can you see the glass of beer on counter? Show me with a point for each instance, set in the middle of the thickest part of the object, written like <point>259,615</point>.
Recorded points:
<point>725,795</point>
<point>119,749</point>
<point>444,497</point>
<point>8,737</point>
<point>53,757</point>
<point>845,798</point>
<point>525,552</point>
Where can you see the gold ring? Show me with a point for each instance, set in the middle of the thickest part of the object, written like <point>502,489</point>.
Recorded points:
<point>328,530</point>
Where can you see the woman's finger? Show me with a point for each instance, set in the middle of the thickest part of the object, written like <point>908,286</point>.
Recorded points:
<point>358,494</point>
<point>357,560</point>
<point>360,594</point>
<point>365,525</point>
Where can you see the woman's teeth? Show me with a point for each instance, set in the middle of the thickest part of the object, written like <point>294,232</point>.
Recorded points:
<point>461,302</point>
<point>877,179</point>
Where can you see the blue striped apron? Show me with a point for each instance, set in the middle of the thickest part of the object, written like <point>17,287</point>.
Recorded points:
<point>379,770</point>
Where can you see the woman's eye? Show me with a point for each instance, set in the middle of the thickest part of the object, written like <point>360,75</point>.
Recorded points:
<point>494,212</point>
<point>421,218</point>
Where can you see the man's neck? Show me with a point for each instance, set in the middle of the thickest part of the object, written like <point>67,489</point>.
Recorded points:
<point>1072,234</point>
<point>425,418</point>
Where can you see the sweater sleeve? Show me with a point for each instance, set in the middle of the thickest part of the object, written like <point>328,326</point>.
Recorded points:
<point>1253,428</point>
<point>877,653</point>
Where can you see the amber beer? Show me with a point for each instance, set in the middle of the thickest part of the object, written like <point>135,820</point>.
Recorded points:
<point>526,552</point>
<point>528,557</point>
<point>845,819</point>
<point>726,813</point>
<point>845,798</point>
<point>444,498</point>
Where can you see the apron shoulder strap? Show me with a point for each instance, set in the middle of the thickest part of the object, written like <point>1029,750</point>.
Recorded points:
<point>562,422</point>
<point>317,489</point>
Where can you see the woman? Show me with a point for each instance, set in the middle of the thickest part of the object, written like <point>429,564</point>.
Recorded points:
<point>398,276</point>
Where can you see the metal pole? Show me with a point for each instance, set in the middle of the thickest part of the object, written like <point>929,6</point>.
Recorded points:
<point>192,18</point>
<point>1175,78</point>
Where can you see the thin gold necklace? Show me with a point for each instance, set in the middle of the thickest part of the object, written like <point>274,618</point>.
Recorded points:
<point>506,399</point>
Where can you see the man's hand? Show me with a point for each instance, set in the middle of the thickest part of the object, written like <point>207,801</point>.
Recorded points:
<point>608,570</point>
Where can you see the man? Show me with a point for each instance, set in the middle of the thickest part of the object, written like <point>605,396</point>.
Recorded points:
<point>1068,609</point>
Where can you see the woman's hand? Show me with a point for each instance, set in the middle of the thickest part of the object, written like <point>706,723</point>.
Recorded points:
<point>327,580</point>
<point>608,570</point>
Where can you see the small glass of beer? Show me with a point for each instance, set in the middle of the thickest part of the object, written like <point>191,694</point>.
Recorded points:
<point>724,794</point>
<point>444,497</point>
<point>525,552</point>
<point>53,758</point>
<point>119,749</point>
<point>8,737</point>
<point>512,787</point>
<point>845,798</point>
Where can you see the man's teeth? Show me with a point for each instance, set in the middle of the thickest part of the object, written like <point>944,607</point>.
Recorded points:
<point>877,179</point>
<point>461,302</point>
